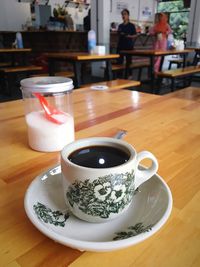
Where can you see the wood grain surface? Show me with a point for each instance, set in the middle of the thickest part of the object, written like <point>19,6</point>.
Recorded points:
<point>179,72</point>
<point>115,84</point>
<point>168,126</point>
<point>79,56</point>
<point>15,50</point>
<point>156,52</point>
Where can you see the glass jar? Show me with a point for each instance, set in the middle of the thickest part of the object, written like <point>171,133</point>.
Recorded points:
<point>48,112</point>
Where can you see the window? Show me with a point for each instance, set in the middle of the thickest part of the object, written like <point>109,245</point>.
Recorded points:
<point>178,16</point>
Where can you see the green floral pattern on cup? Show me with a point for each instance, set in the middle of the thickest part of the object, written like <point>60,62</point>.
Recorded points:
<point>133,231</point>
<point>105,195</point>
<point>46,215</point>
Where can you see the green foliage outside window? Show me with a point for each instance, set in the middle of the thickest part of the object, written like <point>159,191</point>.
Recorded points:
<point>178,17</point>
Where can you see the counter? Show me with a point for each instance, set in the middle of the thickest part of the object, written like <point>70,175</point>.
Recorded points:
<point>48,41</point>
<point>142,41</point>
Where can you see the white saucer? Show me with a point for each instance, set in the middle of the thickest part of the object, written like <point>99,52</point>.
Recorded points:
<point>99,87</point>
<point>45,207</point>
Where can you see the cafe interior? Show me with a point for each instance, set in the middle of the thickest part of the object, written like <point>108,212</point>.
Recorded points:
<point>83,86</point>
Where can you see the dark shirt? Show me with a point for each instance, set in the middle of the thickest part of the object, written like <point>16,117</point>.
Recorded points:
<point>86,23</point>
<point>124,30</point>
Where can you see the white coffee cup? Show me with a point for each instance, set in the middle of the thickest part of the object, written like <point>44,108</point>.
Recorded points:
<point>104,193</point>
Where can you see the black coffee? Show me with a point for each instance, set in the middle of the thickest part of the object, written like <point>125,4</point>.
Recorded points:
<point>98,157</point>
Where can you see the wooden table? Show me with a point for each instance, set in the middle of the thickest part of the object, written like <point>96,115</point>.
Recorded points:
<point>14,51</point>
<point>151,54</point>
<point>77,58</point>
<point>168,126</point>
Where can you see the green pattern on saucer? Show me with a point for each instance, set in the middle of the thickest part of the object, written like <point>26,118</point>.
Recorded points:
<point>105,195</point>
<point>133,231</point>
<point>46,215</point>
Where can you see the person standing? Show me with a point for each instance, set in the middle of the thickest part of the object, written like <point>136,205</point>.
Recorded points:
<point>127,33</point>
<point>161,30</point>
<point>87,21</point>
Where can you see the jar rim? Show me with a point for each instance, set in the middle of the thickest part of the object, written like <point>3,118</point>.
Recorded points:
<point>47,84</point>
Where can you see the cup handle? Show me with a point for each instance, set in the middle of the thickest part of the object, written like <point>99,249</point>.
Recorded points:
<point>142,176</point>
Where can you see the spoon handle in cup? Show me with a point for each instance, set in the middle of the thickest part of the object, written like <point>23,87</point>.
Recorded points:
<point>120,134</point>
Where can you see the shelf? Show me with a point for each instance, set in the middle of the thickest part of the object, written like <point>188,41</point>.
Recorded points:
<point>76,4</point>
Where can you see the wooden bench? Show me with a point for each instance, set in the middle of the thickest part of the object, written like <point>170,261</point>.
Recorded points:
<point>20,69</point>
<point>5,64</point>
<point>8,73</point>
<point>178,62</point>
<point>116,68</point>
<point>178,73</point>
<point>69,74</point>
<point>114,84</point>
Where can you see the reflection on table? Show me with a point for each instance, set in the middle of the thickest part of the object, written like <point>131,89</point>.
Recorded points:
<point>168,126</point>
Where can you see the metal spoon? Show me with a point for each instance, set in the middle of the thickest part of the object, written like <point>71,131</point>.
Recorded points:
<point>120,134</point>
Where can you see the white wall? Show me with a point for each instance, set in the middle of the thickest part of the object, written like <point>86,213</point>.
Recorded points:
<point>13,15</point>
<point>100,22</point>
<point>140,10</point>
<point>193,37</point>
